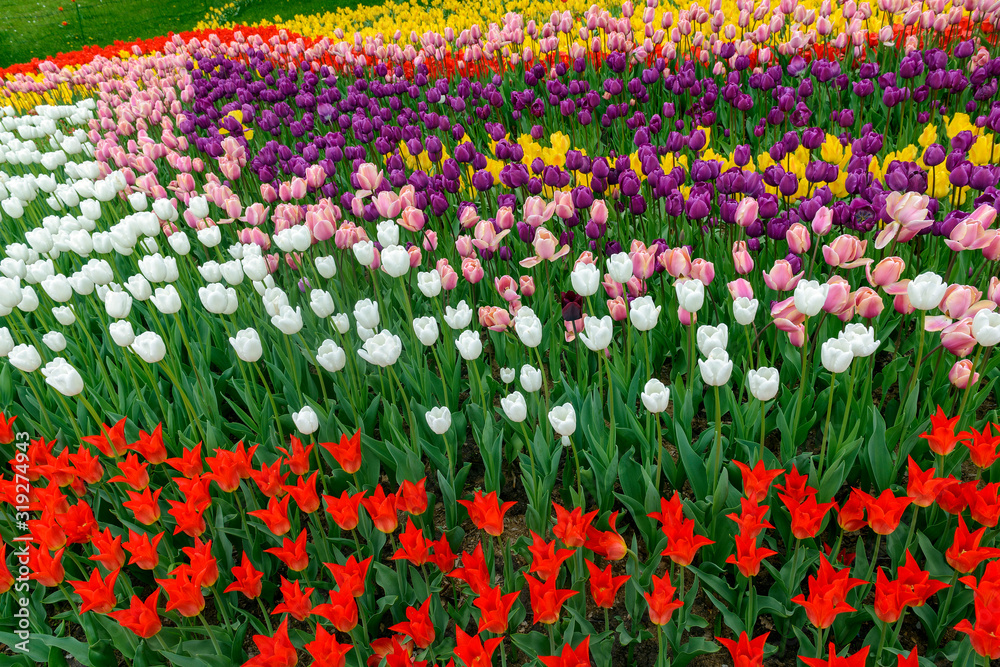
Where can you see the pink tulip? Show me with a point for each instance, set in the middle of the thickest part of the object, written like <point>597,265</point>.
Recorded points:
<point>839,299</point>
<point>315,176</point>
<point>599,212</point>
<point>969,234</point>
<point>472,270</point>
<point>494,318</point>
<point>868,303</point>
<point>415,256</point>
<point>412,219</point>
<point>740,287</point>
<point>846,251</point>
<point>963,301</point>
<point>960,373</point>
<point>537,212</point>
<point>563,204</point>
<point>781,278</point>
<point>487,237</point>
<point>634,287</point>
<point>387,204</point>
<point>909,217</point>
<point>676,262</point>
<point>464,246</point>
<point>527,285</point>
<point>741,258</point>
<point>618,309</point>
<point>430,240</point>
<point>505,218</point>
<point>885,272</point>
<point>683,316</point>
<point>993,291</point>
<point>798,239</point>
<point>256,214</point>
<point>746,212</point>
<point>369,177</point>
<point>357,206</point>
<point>957,338</point>
<point>612,288</point>
<point>449,279</point>
<point>822,222</point>
<point>703,270</point>
<point>468,217</point>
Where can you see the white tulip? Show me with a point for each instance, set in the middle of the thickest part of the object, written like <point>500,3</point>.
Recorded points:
<point>429,283</point>
<point>366,313</point>
<point>364,252</point>
<point>861,338</point>
<point>644,313</point>
<point>255,267</point>
<point>836,355</point>
<point>137,200</point>
<point>10,292</point>
<point>210,236</point>
<point>458,318</point>
<point>395,261</point>
<point>232,272</point>
<point>55,341</point>
<point>439,419</point>
<point>64,315</point>
<point>764,383</point>
<point>507,375</point>
<point>382,349</point>
<point>926,291</point>
<point>809,297</point>
<point>149,346</point>
<point>25,358</point>
<point>288,320</point>
<point>528,327</point>
<point>138,287</point>
<point>153,268</point>
<point>91,209</point>
<point>164,210</point>
<point>306,420</point>
<point>387,233</point>
<point>167,300</point>
<point>531,378</point>
<point>274,299</point>
<point>597,332</point>
<point>655,396</point>
<point>563,419</point>
<point>118,304</point>
<point>331,356</point>
<point>745,310</point>
<point>515,408</point>
<point>321,303</point>
<point>122,333</point>
<point>364,333</point>
<point>326,266</point>
<point>58,288</point>
<point>247,345</point>
<point>180,243</point>
<point>426,329</point>
<point>211,271</point>
<point>62,377</point>
<point>986,328</point>
<point>716,369</point>
<point>469,345</point>
<point>690,294</point>
<point>198,206</point>
<point>710,338</point>
<point>586,279</point>
<point>214,298</point>
<point>342,324</point>
<point>620,267</point>
<point>6,342</point>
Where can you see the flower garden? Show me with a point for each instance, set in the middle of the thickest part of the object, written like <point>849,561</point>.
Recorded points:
<point>506,334</point>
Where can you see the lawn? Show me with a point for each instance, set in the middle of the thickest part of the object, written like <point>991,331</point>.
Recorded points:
<point>35,29</point>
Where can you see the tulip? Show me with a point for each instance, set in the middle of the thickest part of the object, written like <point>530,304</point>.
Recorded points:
<point>288,320</point>
<point>655,396</point>
<point>25,358</point>
<point>986,328</point>
<point>121,333</point>
<point>65,315</point>
<point>382,349</point>
<point>746,212</point>
<point>326,266</point>
<point>868,303</point>
<point>531,378</point>
<point>528,327</point>
<point>426,329</point>
<point>514,407</point>
<point>836,355</point>
<point>306,420</point>
<point>55,341</point>
<point>710,338</point>
<point>960,374</point>
<point>149,347</point>
<point>690,295</point>
<point>366,313</point>
<point>507,375</point>
<point>781,277</point>
<point>926,291</point>
<point>809,297</point>
<point>458,318</point>
<point>716,369</point>
<point>331,356</point>
<point>745,310</point>
<point>597,333</point>
<point>429,283</point>
<point>247,345</point>
<point>886,272</point>
<point>619,267</point>
<point>439,419</point>
<point>364,252</point>
<point>118,305</point>
<point>764,383</point>
<point>62,377</point>
<point>6,342</point>
<point>742,260</point>
<point>469,345</point>
<point>563,419</point>
<point>395,261</point>
<point>321,303</point>
<point>341,323</point>
<point>644,313</point>
<point>586,279</point>
<point>861,338</point>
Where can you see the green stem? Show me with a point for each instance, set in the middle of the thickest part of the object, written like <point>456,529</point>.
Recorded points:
<point>850,402</point>
<point>211,634</point>
<point>826,427</point>
<point>718,440</point>
<point>763,428</point>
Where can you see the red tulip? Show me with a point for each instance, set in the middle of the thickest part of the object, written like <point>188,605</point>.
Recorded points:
<point>133,473</point>
<point>827,594</point>
<point>86,466</point>
<point>442,555</point>
<point>145,505</point>
<point>604,585</point>
<point>351,575</point>
<point>347,452</point>
<point>750,520</point>
<point>413,545</point>
<point>746,652</point>
<point>7,434</point>
<point>886,511</point>
<point>382,509</point>
<point>141,617</point>
<point>983,447</point>
<point>922,486</point>
<point>494,609</point>
<point>344,510</point>
<point>6,579</point>
<point>473,571</point>
<point>418,625</point>
<point>184,593</point>
<point>45,568</point>
<point>96,594</point>
<point>326,651</point>
<point>298,459</point>
<point>682,543</point>
<point>486,512</point>
<point>295,600</point>
<point>545,558</point>
<point>247,579</point>
<point>143,550</point>
<point>412,498</point>
<point>546,599</point>
<point>150,445</point>
<point>472,651</point>
<point>342,610</point>
<point>111,441</point>
<point>571,526</point>
<point>276,651</point>
<point>189,464</point>
<point>275,515</point>
<point>965,554</point>
<point>984,505</point>
<point>570,657</point>
<point>807,516</point>
<point>757,480</point>
<point>660,601</point>
<point>304,493</point>
<point>607,544</point>
<point>856,660</point>
<point>748,556</point>
<point>293,554</point>
<point>108,550</point>
<point>269,479</point>
<point>891,598</point>
<point>942,438</point>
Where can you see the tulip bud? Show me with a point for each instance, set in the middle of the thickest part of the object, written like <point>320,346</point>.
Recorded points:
<point>655,396</point>
<point>764,383</point>
<point>306,420</point>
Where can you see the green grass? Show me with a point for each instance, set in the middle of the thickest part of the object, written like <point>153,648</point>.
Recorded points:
<point>34,29</point>
<point>287,9</point>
